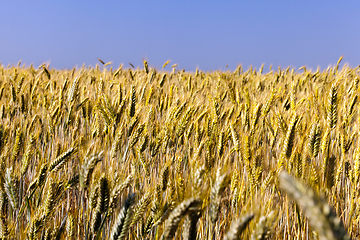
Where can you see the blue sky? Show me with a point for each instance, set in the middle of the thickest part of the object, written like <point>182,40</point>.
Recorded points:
<point>194,34</point>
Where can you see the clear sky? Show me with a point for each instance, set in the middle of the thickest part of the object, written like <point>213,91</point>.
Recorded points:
<point>194,34</point>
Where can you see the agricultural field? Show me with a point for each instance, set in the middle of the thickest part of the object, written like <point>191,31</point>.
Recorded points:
<point>102,153</point>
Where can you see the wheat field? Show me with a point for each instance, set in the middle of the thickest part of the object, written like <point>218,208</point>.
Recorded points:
<point>102,153</point>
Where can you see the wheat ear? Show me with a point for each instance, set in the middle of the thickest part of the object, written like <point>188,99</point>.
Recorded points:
<point>321,217</point>
<point>186,207</point>
<point>237,227</point>
<point>121,226</point>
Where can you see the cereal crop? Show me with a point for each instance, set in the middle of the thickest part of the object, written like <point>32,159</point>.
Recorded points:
<point>103,153</point>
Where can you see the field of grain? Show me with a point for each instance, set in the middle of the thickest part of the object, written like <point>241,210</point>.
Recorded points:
<point>102,153</point>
